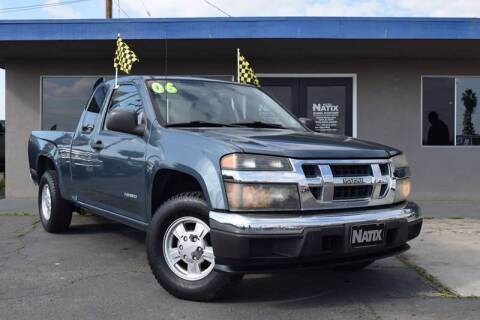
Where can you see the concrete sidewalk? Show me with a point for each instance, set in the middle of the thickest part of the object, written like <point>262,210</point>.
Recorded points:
<point>19,205</point>
<point>448,250</point>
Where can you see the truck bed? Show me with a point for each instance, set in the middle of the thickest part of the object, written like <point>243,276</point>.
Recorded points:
<point>47,144</point>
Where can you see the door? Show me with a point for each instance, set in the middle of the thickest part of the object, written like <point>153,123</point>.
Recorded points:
<point>118,181</point>
<point>328,101</point>
<point>84,159</point>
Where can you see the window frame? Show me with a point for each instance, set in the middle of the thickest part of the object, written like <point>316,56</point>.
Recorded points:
<point>81,121</point>
<point>455,78</point>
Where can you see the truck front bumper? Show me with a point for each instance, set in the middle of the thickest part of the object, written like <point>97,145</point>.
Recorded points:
<point>245,243</point>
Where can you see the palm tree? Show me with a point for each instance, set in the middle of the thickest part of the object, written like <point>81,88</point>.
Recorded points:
<point>469,98</point>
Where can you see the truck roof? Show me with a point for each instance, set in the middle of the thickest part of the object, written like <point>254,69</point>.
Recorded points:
<point>154,77</point>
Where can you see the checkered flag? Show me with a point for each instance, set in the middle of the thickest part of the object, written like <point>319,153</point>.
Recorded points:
<point>245,72</point>
<point>124,57</point>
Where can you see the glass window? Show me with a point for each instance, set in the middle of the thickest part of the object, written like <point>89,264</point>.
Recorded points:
<point>449,111</point>
<point>127,97</point>
<point>93,109</point>
<point>284,94</point>
<point>468,117</point>
<point>438,111</point>
<point>63,100</point>
<point>185,101</point>
<point>327,106</point>
<point>97,100</point>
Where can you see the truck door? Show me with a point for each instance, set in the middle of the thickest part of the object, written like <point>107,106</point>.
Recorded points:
<point>83,158</point>
<point>118,181</point>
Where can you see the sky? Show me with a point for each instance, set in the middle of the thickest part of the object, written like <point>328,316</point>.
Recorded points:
<point>88,9</point>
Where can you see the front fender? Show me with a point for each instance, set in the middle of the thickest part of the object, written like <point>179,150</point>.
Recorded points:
<point>206,174</point>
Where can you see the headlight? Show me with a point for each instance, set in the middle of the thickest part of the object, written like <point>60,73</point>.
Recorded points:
<point>244,161</point>
<point>402,189</point>
<point>401,174</point>
<point>248,196</point>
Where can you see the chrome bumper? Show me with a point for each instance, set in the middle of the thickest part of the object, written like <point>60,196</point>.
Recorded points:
<point>261,224</point>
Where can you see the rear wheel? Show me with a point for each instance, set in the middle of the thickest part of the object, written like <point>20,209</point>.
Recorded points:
<point>180,251</point>
<point>55,212</point>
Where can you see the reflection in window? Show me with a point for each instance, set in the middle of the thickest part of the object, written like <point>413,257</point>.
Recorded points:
<point>449,111</point>
<point>468,120</point>
<point>127,97</point>
<point>438,111</point>
<point>63,100</point>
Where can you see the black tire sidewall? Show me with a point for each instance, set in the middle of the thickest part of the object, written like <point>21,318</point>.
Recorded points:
<point>204,289</point>
<point>61,212</point>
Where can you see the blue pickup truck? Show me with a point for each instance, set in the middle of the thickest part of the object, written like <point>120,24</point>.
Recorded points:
<point>225,181</point>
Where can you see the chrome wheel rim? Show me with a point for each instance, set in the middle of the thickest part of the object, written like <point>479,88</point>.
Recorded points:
<point>46,202</point>
<point>188,250</point>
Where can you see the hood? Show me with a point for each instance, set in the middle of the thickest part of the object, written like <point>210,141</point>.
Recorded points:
<point>295,144</point>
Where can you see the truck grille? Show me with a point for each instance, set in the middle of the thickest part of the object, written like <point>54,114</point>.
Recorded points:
<point>352,193</point>
<point>351,170</point>
<point>335,182</point>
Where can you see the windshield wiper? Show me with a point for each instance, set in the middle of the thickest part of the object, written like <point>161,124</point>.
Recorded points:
<point>259,124</point>
<point>198,124</point>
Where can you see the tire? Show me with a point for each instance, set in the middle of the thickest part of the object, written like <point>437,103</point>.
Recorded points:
<point>164,236</point>
<point>57,215</point>
<point>357,266</point>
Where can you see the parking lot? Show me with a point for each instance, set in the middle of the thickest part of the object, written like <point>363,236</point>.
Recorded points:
<point>98,270</point>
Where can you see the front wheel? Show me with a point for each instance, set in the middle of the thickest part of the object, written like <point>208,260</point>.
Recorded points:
<point>180,251</point>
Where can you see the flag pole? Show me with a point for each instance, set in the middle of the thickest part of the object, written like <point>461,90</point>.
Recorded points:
<point>116,68</point>
<point>238,65</point>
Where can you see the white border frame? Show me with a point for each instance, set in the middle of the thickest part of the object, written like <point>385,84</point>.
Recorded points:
<point>325,75</point>
<point>454,76</point>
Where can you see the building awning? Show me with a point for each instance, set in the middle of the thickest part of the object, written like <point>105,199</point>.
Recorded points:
<point>259,36</point>
<point>243,28</point>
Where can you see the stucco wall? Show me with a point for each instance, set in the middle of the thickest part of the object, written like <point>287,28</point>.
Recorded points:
<point>388,100</point>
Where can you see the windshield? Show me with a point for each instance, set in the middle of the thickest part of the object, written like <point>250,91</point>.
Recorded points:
<point>182,102</point>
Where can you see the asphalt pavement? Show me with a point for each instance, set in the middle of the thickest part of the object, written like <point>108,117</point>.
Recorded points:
<point>98,270</point>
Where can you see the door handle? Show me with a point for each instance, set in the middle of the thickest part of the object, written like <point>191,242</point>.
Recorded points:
<point>87,129</point>
<point>97,145</point>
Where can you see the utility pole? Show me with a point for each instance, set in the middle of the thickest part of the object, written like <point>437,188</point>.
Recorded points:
<point>108,9</point>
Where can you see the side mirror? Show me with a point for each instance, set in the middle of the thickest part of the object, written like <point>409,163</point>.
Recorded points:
<point>307,122</point>
<point>123,120</point>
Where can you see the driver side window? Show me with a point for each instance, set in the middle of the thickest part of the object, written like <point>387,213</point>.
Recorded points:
<point>93,109</point>
<point>126,97</point>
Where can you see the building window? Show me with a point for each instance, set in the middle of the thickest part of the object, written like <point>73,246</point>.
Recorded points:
<point>449,111</point>
<point>63,100</point>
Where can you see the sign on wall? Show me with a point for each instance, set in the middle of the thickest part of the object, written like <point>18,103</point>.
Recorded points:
<point>326,117</point>
<point>327,107</point>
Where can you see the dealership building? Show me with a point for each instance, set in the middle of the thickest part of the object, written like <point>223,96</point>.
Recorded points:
<point>412,83</point>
